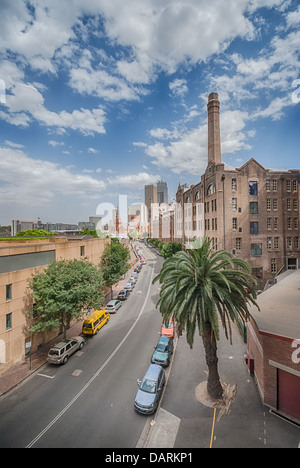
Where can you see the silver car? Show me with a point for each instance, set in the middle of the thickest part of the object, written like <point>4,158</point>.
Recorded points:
<point>113,306</point>
<point>150,390</point>
<point>60,353</point>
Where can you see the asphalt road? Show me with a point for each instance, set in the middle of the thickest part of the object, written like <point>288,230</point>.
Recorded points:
<point>89,401</point>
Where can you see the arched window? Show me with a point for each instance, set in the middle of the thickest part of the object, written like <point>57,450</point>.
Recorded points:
<point>211,189</point>
<point>197,195</point>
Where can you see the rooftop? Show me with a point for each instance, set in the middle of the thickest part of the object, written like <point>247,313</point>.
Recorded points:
<point>280,308</point>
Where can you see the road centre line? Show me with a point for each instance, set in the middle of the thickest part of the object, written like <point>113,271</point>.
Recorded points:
<point>65,409</point>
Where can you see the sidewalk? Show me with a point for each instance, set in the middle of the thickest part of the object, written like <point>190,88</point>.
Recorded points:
<point>17,373</point>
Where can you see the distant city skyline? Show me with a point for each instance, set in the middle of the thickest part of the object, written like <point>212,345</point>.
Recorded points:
<point>93,106</point>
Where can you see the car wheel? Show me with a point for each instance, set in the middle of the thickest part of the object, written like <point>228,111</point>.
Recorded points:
<point>65,360</point>
<point>81,345</point>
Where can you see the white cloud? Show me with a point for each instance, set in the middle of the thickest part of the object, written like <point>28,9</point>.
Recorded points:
<point>178,87</point>
<point>39,181</point>
<point>156,34</point>
<point>133,181</point>
<point>188,151</point>
<point>25,102</point>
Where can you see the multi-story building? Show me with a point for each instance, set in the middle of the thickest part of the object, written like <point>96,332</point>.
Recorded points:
<point>162,192</point>
<point>249,211</point>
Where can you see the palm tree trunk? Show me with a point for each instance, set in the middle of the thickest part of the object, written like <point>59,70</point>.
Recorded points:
<point>214,387</point>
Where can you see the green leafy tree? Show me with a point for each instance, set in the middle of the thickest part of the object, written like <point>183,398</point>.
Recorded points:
<point>200,288</point>
<point>35,233</point>
<point>89,232</point>
<point>114,263</point>
<point>64,291</point>
<point>170,248</point>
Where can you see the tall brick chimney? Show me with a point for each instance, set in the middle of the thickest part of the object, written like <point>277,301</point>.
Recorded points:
<point>214,139</point>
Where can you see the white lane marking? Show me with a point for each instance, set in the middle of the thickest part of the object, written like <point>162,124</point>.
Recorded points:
<point>65,409</point>
<point>48,376</point>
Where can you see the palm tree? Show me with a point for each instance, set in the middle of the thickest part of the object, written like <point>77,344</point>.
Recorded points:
<point>199,287</point>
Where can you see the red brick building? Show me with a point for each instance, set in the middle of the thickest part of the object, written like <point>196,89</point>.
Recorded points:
<point>273,345</point>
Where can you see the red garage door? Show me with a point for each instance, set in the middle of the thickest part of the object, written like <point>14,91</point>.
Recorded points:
<point>289,394</point>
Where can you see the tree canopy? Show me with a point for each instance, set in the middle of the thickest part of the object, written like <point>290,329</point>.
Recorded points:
<point>63,291</point>
<point>114,262</point>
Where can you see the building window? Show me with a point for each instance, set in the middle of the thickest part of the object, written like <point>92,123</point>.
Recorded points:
<point>275,204</point>
<point>268,185</point>
<point>294,185</point>
<point>8,321</point>
<point>275,223</point>
<point>233,184</point>
<point>269,220</point>
<point>8,292</point>
<point>257,272</point>
<point>273,265</point>
<point>289,242</point>
<point>295,204</point>
<point>276,243</point>
<point>274,185</point>
<point>238,243</point>
<point>288,185</point>
<point>234,223</point>
<point>82,251</point>
<point>253,207</point>
<point>296,243</point>
<point>256,249</point>
<point>253,188</point>
<point>197,195</point>
<point>268,204</point>
<point>269,243</point>
<point>211,189</point>
<point>254,227</point>
<point>234,203</point>
<point>289,204</point>
<point>295,223</point>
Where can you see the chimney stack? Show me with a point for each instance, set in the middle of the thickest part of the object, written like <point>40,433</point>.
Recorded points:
<point>214,139</point>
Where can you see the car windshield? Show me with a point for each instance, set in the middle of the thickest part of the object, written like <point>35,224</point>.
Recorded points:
<point>170,325</point>
<point>148,386</point>
<point>87,325</point>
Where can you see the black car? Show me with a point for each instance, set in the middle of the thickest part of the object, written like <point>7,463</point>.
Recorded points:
<point>122,296</point>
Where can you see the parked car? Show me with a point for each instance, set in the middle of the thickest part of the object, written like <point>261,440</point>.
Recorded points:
<point>163,352</point>
<point>144,262</point>
<point>129,286</point>
<point>122,296</point>
<point>150,390</point>
<point>132,279</point>
<point>60,353</point>
<point>138,268</point>
<point>169,329</point>
<point>113,306</point>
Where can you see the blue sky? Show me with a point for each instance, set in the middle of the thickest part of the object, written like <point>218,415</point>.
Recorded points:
<point>100,97</point>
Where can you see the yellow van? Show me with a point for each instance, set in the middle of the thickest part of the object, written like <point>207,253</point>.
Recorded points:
<point>94,322</point>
